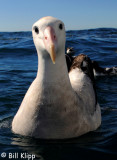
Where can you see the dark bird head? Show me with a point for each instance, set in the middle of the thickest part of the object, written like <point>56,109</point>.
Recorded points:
<point>70,50</point>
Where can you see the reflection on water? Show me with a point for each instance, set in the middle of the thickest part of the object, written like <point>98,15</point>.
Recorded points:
<point>93,144</point>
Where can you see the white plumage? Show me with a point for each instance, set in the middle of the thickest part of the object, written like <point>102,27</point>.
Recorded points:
<point>57,105</point>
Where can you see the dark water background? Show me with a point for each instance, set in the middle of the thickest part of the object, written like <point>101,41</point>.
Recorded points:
<point>18,67</point>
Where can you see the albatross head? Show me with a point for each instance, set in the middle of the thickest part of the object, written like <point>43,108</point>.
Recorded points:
<point>49,37</point>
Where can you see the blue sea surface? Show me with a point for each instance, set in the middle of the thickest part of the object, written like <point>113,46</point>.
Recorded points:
<point>18,68</point>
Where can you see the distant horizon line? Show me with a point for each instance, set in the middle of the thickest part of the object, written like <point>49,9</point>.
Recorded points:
<point>67,29</point>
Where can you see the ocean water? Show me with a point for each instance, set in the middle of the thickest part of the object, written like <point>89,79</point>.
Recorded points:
<point>18,68</point>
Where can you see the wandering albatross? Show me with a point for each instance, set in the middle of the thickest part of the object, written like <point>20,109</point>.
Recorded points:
<point>58,104</point>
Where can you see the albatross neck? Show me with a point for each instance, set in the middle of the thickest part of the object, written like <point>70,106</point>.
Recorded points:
<point>52,73</point>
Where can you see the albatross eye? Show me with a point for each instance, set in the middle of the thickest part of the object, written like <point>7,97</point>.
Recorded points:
<point>36,29</point>
<point>60,26</point>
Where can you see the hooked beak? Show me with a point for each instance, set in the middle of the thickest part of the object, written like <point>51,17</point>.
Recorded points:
<point>50,41</point>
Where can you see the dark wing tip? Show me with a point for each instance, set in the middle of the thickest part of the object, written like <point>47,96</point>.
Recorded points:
<point>69,61</point>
